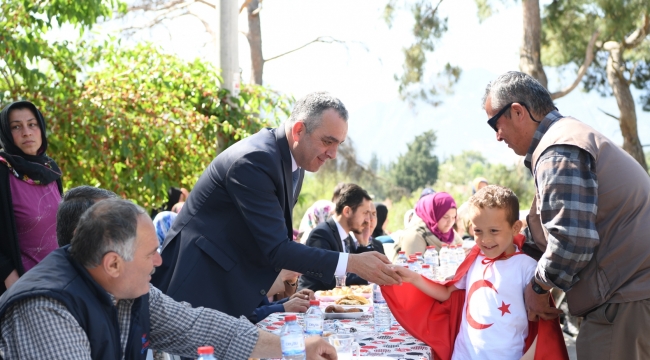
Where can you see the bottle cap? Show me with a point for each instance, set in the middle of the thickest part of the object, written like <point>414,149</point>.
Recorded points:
<point>314,302</point>
<point>445,244</point>
<point>410,261</point>
<point>402,252</point>
<point>425,266</point>
<point>418,253</point>
<point>206,350</point>
<point>290,318</point>
<point>431,247</point>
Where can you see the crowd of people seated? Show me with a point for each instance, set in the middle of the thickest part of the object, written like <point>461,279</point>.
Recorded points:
<point>87,274</point>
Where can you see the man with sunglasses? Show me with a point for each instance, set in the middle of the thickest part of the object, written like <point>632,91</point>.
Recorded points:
<point>589,219</point>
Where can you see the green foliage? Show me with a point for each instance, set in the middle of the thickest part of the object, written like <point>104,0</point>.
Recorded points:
<point>28,60</point>
<point>458,172</point>
<point>418,167</point>
<point>146,121</point>
<point>568,25</point>
<point>428,27</point>
<point>136,121</point>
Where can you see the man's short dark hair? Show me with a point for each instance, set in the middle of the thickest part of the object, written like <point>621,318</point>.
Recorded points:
<point>74,203</point>
<point>108,226</point>
<point>351,195</point>
<point>337,191</point>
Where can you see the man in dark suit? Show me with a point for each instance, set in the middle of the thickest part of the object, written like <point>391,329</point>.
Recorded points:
<point>353,213</point>
<point>233,236</point>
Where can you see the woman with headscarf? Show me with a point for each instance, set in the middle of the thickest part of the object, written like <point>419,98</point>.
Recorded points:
<point>431,225</point>
<point>319,212</point>
<point>30,192</point>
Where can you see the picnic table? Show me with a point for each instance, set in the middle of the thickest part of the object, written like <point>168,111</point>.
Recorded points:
<point>395,344</point>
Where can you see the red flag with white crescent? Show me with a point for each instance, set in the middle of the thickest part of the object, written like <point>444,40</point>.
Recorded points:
<point>437,323</point>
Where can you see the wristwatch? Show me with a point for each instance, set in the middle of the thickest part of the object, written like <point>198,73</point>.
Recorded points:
<point>537,288</point>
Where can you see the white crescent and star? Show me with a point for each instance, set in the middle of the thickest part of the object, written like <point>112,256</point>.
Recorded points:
<point>504,308</point>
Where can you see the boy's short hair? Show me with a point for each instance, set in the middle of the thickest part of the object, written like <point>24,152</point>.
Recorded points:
<point>351,195</point>
<point>496,196</point>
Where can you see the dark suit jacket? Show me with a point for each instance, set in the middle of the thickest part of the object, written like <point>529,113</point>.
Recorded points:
<point>233,235</point>
<point>326,236</point>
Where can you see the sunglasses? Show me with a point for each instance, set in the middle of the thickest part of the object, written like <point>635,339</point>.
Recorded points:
<point>493,120</point>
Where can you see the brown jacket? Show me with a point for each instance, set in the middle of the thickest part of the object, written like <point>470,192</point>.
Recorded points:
<point>619,270</point>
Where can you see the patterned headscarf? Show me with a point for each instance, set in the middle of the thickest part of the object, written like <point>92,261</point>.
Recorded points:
<point>163,222</point>
<point>317,213</point>
<point>433,207</point>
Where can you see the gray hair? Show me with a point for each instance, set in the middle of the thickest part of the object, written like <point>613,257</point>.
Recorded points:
<point>108,226</point>
<point>310,109</point>
<point>515,86</point>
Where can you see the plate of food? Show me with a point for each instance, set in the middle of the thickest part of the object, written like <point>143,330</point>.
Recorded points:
<point>344,312</point>
<point>337,293</point>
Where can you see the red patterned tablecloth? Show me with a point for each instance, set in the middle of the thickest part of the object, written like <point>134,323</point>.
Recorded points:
<point>396,343</point>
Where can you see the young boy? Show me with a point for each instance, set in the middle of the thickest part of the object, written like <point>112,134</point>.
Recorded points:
<point>494,322</point>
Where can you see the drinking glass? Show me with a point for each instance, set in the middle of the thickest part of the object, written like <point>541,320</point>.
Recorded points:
<point>345,346</point>
<point>340,280</point>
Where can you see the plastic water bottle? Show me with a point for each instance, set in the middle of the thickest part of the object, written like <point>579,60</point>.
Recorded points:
<point>206,353</point>
<point>445,261</point>
<point>460,254</point>
<point>314,319</point>
<point>431,256</point>
<point>426,271</point>
<point>381,312</point>
<point>292,339</point>
<point>401,258</point>
<point>419,258</point>
<point>414,266</point>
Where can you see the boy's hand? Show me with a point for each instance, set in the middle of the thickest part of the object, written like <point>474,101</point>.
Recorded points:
<point>406,274</point>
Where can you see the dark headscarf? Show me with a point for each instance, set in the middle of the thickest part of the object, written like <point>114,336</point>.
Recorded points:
<point>40,168</point>
<point>382,214</point>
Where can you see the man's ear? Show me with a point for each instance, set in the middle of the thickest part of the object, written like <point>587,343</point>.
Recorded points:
<point>112,264</point>
<point>347,211</point>
<point>518,111</point>
<point>298,130</point>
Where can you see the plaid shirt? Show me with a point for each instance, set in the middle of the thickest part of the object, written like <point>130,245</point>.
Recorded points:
<point>43,328</point>
<point>566,183</point>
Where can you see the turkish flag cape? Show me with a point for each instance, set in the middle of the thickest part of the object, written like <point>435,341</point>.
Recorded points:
<point>437,323</point>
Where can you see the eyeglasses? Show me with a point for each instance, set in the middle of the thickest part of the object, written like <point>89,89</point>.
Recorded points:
<point>493,120</point>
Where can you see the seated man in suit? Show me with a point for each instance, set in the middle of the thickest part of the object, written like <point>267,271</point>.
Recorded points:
<point>353,210</point>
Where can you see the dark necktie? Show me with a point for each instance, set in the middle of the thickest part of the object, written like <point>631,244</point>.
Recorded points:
<point>295,176</point>
<point>347,243</point>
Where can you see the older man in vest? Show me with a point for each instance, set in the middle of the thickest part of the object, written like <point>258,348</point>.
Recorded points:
<point>92,300</point>
<point>590,219</point>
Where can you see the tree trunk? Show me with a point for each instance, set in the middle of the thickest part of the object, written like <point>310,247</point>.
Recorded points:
<point>625,102</point>
<point>530,61</point>
<point>255,42</point>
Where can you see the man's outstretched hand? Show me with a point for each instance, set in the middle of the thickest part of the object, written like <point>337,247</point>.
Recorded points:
<point>373,267</point>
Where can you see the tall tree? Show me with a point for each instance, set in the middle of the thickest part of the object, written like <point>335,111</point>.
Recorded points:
<point>530,52</point>
<point>160,12</point>
<point>29,61</point>
<point>418,167</point>
<point>623,53</point>
<point>428,27</point>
